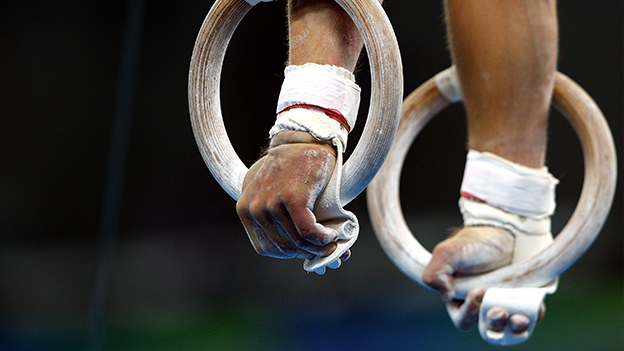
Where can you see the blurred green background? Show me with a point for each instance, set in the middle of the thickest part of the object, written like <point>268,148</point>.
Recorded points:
<point>185,276</point>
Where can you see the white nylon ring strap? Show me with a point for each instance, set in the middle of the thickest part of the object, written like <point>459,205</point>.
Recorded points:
<point>448,85</point>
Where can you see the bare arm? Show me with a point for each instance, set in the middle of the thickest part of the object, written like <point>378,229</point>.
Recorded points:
<point>505,53</point>
<point>281,188</point>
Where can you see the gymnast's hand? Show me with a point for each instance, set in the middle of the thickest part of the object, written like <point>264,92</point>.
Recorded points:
<point>473,250</point>
<point>279,192</point>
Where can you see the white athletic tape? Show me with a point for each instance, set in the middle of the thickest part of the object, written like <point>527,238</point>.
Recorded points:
<point>528,192</point>
<point>312,121</point>
<point>326,86</point>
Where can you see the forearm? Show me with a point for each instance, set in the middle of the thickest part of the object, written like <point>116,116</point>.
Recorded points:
<point>506,54</point>
<point>320,31</point>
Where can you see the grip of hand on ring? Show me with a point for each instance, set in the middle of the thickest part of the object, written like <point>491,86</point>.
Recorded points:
<point>531,235</point>
<point>547,263</point>
<point>349,179</point>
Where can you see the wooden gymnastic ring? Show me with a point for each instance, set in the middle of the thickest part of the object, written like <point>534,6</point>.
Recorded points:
<point>384,110</point>
<point>575,238</point>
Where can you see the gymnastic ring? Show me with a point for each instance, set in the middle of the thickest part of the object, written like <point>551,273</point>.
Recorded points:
<point>574,239</point>
<point>384,110</point>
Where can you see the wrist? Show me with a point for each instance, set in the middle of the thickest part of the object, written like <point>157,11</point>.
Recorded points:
<point>319,99</point>
<point>297,137</point>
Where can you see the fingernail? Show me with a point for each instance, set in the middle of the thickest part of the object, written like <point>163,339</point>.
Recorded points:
<point>496,313</point>
<point>519,322</point>
<point>345,256</point>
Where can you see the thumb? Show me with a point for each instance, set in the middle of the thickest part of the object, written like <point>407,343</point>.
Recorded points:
<point>471,250</point>
<point>439,273</point>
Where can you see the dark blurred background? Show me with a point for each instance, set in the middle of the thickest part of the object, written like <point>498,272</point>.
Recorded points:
<point>184,275</point>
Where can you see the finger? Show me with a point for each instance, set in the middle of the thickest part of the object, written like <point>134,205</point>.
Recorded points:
<point>465,314</point>
<point>261,242</point>
<point>291,241</point>
<point>285,226</point>
<point>541,313</point>
<point>346,255</point>
<point>307,227</point>
<point>496,318</point>
<point>519,322</point>
<point>264,237</point>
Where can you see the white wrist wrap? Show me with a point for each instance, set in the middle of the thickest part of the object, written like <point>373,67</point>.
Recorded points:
<point>312,121</point>
<point>326,86</point>
<point>528,192</point>
<point>499,193</point>
<point>310,93</point>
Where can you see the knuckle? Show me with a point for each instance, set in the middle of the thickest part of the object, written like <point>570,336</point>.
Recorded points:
<point>256,208</point>
<point>242,208</point>
<point>443,251</point>
<point>428,277</point>
<point>294,197</point>
<point>311,234</point>
<point>289,198</point>
<point>273,205</point>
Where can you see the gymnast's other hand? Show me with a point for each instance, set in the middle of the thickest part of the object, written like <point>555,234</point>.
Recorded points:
<point>279,193</point>
<point>473,250</point>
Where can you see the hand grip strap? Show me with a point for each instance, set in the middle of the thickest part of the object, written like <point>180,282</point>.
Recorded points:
<point>526,301</point>
<point>329,212</point>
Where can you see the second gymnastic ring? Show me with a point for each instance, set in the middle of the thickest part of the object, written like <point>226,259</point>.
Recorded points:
<point>575,238</point>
